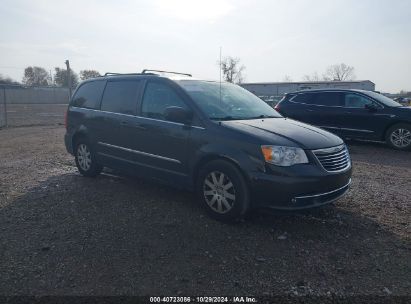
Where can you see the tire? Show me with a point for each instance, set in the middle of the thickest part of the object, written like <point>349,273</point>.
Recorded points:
<point>85,158</point>
<point>399,136</point>
<point>223,191</point>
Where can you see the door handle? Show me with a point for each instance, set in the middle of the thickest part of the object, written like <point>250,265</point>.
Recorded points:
<point>140,127</point>
<point>124,123</point>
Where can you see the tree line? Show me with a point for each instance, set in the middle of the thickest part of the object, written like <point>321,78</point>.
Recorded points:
<point>231,68</point>
<point>38,76</point>
<point>335,72</point>
<point>233,71</point>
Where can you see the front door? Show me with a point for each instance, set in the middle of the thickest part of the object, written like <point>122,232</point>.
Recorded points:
<point>359,121</point>
<point>162,144</point>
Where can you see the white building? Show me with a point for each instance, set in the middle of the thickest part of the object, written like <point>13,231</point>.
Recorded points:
<point>272,92</point>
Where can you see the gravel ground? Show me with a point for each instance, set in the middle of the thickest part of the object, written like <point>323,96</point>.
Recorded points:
<point>63,234</point>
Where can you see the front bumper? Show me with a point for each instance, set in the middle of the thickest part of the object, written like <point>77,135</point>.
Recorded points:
<point>301,187</point>
<point>317,200</point>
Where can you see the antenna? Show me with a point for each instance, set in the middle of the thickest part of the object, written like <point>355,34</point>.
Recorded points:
<point>220,72</point>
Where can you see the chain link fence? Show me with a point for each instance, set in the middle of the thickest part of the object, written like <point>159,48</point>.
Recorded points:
<point>31,106</point>
<point>3,108</point>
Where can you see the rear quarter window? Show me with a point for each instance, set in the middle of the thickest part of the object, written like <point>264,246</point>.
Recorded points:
<point>306,98</point>
<point>88,95</point>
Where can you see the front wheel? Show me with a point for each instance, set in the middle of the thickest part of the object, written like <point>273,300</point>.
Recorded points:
<point>86,160</point>
<point>222,191</point>
<point>399,137</point>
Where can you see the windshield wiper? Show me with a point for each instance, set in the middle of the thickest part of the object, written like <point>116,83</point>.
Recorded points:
<point>224,118</point>
<point>242,118</point>
<point>263,116</point>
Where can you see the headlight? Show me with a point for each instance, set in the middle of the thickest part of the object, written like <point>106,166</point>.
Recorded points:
<point>284,156</point>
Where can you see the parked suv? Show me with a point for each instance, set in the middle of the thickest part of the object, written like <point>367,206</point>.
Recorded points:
<point>215,138</point>
<point>352,114</point>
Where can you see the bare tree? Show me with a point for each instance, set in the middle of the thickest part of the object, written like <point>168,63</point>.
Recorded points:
<point>34,75</point>
<point>339,72</point>
<point>287,78</point>
<point>61,77</point>
<point>312,77</point>
<point>232,70</point>
<point>86,74</point>
<point>7,80</point>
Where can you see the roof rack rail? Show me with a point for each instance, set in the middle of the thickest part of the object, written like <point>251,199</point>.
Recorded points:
<point>121,74</point>
<point>147,70</point>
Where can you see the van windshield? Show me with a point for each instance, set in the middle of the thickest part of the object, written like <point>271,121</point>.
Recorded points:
<point>235,102</point>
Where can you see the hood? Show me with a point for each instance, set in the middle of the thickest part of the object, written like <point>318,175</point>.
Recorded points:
<point>285,131</point>
<point>403,113</point>
<point>405,109</point>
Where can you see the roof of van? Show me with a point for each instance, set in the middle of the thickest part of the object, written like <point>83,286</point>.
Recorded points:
<point>147,75</point>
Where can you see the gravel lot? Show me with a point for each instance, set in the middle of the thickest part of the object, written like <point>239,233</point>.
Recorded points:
<point>63,234</point>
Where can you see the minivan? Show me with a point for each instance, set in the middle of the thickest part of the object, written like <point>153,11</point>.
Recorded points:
<point>355,114</point>
<point>215,138</point>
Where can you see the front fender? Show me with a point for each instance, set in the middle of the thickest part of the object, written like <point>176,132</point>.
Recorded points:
<point>246,159</point>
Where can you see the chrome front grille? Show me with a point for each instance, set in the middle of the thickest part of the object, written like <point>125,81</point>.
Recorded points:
<point>333,159</point>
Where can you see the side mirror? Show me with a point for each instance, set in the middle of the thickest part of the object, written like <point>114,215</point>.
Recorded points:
<point>178,114</point>
<point>372,107</point>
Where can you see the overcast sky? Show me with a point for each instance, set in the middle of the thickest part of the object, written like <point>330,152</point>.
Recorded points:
<point>273,38</point>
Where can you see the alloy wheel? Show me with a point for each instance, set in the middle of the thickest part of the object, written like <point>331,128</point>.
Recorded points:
<point>401,138</point>
<point>84,157</point>
<point>219,192</point>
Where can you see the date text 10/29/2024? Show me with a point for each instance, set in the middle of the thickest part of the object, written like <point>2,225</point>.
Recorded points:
<point>203,300</point>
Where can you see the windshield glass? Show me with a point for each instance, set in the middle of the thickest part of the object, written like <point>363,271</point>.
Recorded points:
<point>384,99</point>
<point>235,102</point>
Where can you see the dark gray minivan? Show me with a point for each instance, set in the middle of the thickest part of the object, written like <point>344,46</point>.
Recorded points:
<point>215,138</point>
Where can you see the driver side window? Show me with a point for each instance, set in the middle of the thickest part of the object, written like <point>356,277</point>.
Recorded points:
<point>352,100</point>
<point>157,97</point>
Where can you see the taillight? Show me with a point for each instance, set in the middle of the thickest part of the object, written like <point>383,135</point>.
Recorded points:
<point>65,119</point>
<point>277,107</point>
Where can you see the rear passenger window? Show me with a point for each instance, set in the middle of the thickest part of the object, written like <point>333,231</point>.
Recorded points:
<point>158,97</point>
<point>330,99</point>
<point>88,95</point>
<point>121,96</point>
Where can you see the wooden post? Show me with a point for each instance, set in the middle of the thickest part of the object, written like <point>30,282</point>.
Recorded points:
<point>69,77</point>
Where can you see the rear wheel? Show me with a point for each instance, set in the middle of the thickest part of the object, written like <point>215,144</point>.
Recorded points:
<point>399,136</point>
<point>86,159</point>
<point>222,191</point>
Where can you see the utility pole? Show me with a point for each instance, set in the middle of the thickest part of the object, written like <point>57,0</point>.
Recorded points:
<point>68,76</point>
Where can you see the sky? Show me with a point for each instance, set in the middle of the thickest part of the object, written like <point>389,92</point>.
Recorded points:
<point>274,39</point>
